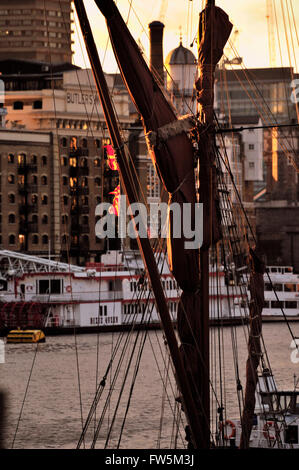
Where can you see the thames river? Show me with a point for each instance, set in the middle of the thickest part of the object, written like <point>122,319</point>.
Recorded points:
<point>59,378</point>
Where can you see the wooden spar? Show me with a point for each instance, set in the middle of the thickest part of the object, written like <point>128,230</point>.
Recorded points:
<point>205,175</point>
<point>144,244</point>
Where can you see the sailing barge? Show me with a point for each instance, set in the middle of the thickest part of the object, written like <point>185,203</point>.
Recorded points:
<point>189,165</point>
<point>178,147</point>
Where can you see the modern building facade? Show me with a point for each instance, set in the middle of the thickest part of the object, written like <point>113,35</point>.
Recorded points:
<point>36,30</point>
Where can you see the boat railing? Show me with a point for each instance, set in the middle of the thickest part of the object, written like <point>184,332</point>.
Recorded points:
<point>49,298</point>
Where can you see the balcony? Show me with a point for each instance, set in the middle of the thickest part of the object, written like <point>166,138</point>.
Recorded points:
<point>27,188</point>
<point>28,208</point>
<point>25,167</point>
<point>79,210</point>
<point>32,227</point>
<point>55,298</point>
<point>78,171</point>
<point>78,190</point>
<point>78,152</point>
<point>84,228</point>
<point>84,209</point>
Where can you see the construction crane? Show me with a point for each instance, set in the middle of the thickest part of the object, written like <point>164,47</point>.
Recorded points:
<point>230,52</point>
<point>163,9</point>
<point>271,35</point>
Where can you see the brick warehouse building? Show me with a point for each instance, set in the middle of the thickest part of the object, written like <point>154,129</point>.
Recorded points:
<point>53,160</point>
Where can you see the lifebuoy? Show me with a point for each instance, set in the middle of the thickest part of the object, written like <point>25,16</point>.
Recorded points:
<point>30,287</point>
<point>69,288</point>
<point>267,426</point>
<point>232,425</point>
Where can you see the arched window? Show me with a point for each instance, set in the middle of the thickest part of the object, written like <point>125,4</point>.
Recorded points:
<point>85,220</point>
<point>44,219</point>
<point>84,200</point>
<point>22,159</point>
<point>63,161</point>
<point>44,180</point>
<point>45,239</point>
<point>34,179</point>
<point>73,162</point>
<point>97,162</point>
<point>18,105</point>
<point>73,143</point>
<point>97,181</point>
<point>11,239</point>
<point>83,162</point>
<point>44,199</point>
<point>84,182</point>
<point>11,179</point>
<point>11,218</point>
<point>11,158</point>
<point>97,143</point>
<point>44,160</point>
<point>11,198</point>
<point>34,198</point>
<point>35,239</point>
<point>63,142</point>
<point>65,200</point>
<point>84,143</point>
<point>64,180</point>
<point>34,219</point>
<point>33,159</point>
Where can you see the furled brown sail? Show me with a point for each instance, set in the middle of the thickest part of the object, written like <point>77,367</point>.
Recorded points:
<point>170,148</point>
<point>173,156</point>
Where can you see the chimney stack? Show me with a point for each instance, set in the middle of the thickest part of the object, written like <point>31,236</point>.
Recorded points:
<point>156,50</point>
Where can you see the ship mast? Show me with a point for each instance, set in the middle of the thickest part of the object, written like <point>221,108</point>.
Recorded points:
<point>144,244</point>
<point>205,178</point>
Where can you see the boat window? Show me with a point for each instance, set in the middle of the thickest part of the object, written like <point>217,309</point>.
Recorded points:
<point>268,286</point>
<point>50,286</point>
<point>290,287</point>
<point>278,287</point>
<point>291,435</point>
<point>103,310</point>
<point>3,285</point>
<point>277,304</point>
<point>291,304</point>
<point>266,304</point>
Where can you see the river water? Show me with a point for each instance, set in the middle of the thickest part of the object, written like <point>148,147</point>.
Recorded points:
<point>63,381</point>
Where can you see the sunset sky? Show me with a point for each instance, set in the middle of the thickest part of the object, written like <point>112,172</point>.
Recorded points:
<point>248,17</point>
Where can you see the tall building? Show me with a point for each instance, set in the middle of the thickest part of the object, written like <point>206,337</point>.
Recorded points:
<point>36,30</point>
<point>54,188</point>
<point>249,92</point>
